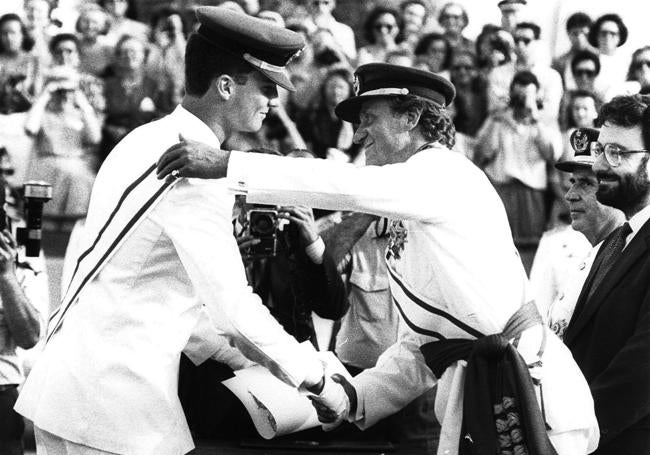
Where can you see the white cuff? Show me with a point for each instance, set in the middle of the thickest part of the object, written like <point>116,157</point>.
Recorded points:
<point>236,173</point>
<point>315,251</point>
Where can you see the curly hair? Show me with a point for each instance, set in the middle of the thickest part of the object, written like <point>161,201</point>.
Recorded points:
<point>627,112</point>
<point>28,41</point>
<point>435,123</point>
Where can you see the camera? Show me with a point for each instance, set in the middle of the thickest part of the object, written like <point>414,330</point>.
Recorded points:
<point>264,225</point>
<point>35,194</point>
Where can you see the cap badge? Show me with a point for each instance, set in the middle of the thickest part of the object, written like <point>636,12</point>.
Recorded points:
<point>356,85</point>
<point>580,141</point>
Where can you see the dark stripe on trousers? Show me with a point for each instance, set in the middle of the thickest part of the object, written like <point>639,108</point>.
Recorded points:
<point>472,331</point>
<point>121,235</point>
<point>125,194</point>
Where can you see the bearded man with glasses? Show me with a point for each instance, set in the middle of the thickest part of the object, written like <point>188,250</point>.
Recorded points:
<point>609,332</point>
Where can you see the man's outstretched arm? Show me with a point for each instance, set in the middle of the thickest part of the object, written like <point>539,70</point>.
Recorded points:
<point>193,159</point>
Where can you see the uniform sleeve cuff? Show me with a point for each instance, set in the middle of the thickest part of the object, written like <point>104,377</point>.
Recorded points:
<point>315,251</point>
<point>236,173</point>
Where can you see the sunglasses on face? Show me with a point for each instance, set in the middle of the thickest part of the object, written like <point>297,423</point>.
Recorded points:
<point>526,41</point>
<point>640,64</point>
<point>387,27</point>
<point>585,73</point>
<point>613,153</point>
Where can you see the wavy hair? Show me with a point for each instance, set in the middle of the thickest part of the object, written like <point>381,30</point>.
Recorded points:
<point>435,123</point>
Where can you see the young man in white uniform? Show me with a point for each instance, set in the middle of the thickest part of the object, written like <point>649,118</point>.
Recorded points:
<point>453,269</point>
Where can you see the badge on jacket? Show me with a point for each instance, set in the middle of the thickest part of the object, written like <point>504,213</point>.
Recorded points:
<point>398,234</point>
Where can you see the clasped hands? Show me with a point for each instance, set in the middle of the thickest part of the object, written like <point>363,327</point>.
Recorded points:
<point>335,402</point>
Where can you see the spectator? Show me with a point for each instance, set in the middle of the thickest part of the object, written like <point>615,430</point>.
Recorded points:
<point>414,16</point>
<point>577,28</point>
<point>401,56</point>
<point>19,67</point>
<point>565,254</point>
<point>517,151</point>
<point>607,34</point>
<point>321,17</point>
<point>470,103</point>
<point>639,70</point>
<point>433,53</point>
<point>23,309</point>
<point>132,97</point>
<point>95,51</point>
<point>123,20</point>
<point>64,48</point>
<point>166,53</point>
<point>453,18</point>
<point>381,29</point>
<point>320,127</point>
<point>65,130</point>
<point>40,28</point>
<point>585,68</point>
<point>511,13</point>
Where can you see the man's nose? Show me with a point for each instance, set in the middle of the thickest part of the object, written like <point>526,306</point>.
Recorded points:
<point>359,135</point>
<point>572,195</point>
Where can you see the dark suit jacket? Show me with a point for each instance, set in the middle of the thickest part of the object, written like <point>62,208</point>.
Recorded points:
<point>610,341</point>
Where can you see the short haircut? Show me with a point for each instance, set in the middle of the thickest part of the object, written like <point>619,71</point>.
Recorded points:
<point>628,111</point>
<point>537,31</point>
<point>422,47</point>
<point>28,42</point>
<point>60,38</point>
<point>90,8</point>
<point>524,78</point>
<point>204,62</point>
<point>635,54</point>
<point>462,8</point>
<point>595,28</point>
<point>581,56</point>
<point>435,123</point>
<point>574,95</point>
<point>405,3</point>
<point>578,20</point>
<point>372,17</point>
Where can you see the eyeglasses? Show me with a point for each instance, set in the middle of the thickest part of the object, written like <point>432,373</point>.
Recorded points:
<point>584,73</point>
<point>640,64</point>
<point>613,152</point>
<point>608,33</point>
<point>451,16</point>
<point>462,67</point>
<point>526,41</point>
<point>388,27</point>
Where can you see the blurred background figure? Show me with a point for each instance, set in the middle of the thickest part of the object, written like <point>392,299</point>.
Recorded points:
<point>511,13</point>
<point>321,17</point>
<point>123,20</point>
<point>577,29</point>
<point>381,28</point>
<point>454,19</point>
<point>40,27</point>
<point>433,53</point>
<point>95,51</point>
<point>414,16</point>
<point>607,34</point>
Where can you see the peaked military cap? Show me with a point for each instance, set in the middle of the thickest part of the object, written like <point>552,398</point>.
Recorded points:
<point>264,45</point>
<point>511,2</point>
<point>582,141</point>
<point>380,80</point>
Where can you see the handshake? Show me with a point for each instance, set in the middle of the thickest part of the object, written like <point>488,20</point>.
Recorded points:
<point>335,402</point>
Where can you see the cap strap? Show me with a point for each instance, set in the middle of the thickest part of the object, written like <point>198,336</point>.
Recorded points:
<point>261,64</point>
<point>386,91</point>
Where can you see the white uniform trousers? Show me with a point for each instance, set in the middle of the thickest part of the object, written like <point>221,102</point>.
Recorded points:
<point>50,444</point>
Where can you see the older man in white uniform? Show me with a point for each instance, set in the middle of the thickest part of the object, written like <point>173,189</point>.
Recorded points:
<point>157,258</point>
<point>454,271</point>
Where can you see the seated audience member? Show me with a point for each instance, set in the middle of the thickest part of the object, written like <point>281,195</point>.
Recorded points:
<point>381,28</point>
<point>132,96</point>
<point>325,133</point>
<point>577,29</point>
<point>414,16</point>
<point>95,52</point>
<point>517,151</point>
<point>607,34</point>
<point>401,56</point>
<point>321,17</point>
<point>166,52</point>
<point>19,67</point>
<point>566,254</point>
<point>24,307</point>
<point>123,20</point>
<point>453,18</point>
<point>511,13</point>
<point>64,48</point>
<point>527,45</point>
<point>470,104</point>
<point>66,131</point>
<point>433,53</point>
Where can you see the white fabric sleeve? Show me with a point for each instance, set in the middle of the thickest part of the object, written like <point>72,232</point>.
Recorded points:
<point>196,217</point>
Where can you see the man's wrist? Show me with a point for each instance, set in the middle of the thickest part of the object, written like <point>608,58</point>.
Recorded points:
<point>317,388</point>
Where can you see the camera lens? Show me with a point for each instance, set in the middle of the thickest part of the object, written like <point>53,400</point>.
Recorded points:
<point>263,224</point>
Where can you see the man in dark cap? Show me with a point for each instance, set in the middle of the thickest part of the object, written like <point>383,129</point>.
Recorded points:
<point>453,269</point>
<point>511,12</point>
<point>159,259</point>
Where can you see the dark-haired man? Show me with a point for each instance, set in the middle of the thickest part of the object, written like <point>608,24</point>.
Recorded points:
<point>453,270</point>
<point>158,259</point>
<point>577,29</point>
<point>609,332</point>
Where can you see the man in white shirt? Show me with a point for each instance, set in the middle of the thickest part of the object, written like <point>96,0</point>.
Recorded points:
<point>453,269</point>
<point>159,258</point>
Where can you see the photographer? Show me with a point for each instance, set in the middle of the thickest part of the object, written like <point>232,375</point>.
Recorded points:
<point>23,289</point>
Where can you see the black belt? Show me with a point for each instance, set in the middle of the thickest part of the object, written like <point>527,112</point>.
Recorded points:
<point>5,387</point>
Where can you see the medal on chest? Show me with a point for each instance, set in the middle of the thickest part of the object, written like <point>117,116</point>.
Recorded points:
<point>398,234</point>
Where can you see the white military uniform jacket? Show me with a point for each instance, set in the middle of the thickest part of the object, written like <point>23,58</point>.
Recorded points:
<point>108,377</point>
<point>454,273</point>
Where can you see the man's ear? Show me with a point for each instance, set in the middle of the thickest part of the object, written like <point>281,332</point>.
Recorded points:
<point>224,85</point>
<point>411,118</point>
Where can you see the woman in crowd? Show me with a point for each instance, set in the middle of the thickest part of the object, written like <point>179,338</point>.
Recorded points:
<point>433,53</point>
<point>381,28</point>
<point>19,67</point>
<point>132,97</point>
<point>326,134</point>
<point>639,70</point>
<point>40,27</point>
<point>66,131</point>
<point>95,51</point>
<point>607,34</point>
<point>122,18</point>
